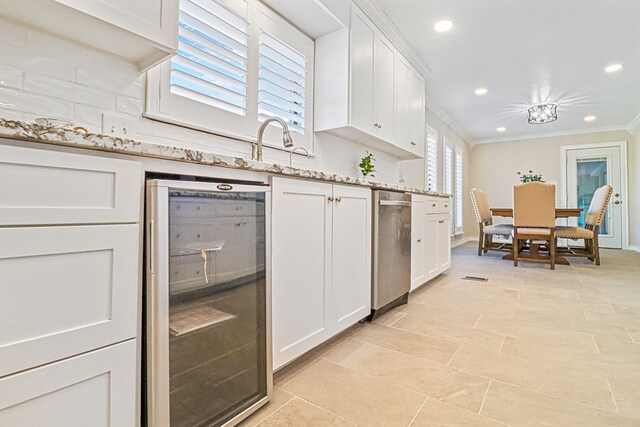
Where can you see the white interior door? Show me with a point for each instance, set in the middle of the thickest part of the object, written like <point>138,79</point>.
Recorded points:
<point>587,170</point>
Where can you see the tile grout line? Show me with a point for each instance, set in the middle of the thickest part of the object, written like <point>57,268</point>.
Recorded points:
<point>325,409</point>
<point>484,397</point>
<point>615,404</point>
<point>403,315</point>
<point>595,341</point>
<point>504,339</point>
<point>585,314</point>
<point>419,410</point>
<point>293,396</point>
<point>630,337</point>
<point>477,320</point>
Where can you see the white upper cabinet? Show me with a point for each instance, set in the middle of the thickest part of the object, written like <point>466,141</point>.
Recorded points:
<point>417,114</point>
<point>363,38</point>
<point>139,31</point>
<point>358,76</point>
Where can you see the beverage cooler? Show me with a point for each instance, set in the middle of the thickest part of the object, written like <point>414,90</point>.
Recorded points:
<point>208,342</point>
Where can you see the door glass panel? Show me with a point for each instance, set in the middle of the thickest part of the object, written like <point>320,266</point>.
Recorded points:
<point>217,305</point>
<point>591,174</point>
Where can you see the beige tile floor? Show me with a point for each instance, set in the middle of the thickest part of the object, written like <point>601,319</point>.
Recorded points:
<point>529,347</point>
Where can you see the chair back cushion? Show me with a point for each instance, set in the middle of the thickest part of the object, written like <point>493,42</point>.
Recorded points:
<point>598,205</point>
<point>534,205</point>
<point>480,205</point>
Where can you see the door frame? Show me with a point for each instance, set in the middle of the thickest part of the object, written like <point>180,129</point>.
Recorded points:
<point>622,145</point>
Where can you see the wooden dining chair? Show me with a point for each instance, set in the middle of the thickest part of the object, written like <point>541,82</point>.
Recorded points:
<point>534,219</point>
<point>485,222</point>
<point>589,233</point>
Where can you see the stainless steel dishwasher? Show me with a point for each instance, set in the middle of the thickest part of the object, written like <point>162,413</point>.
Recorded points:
<point>391,250</point>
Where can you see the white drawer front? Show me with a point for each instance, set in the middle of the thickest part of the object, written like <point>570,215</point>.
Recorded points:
<point>66,290</point>
<point>437,205</point>
<point>39,187</point>
<point>95,389</point>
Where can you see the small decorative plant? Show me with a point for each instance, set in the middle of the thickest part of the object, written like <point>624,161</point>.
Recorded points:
<point>530,177</point>
<point>366,165</point>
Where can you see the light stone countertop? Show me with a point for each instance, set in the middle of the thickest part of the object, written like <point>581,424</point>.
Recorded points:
<point>33,132</point>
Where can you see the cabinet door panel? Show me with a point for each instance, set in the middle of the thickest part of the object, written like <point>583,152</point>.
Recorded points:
<point>95,389</point>
<point>72,289</point>
<point>418,244</point>
<point>300,267</point>
<point>403,104</point>
<point>384,57</point>
<point>40,187</point>
<point>351,256</point>
<point>431,245</point>
<point>362,84</point>
<point>444,242</point>
<point>153,19</point>
<point>417,112</point>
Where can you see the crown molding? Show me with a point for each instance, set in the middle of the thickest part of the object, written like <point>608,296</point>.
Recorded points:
<point>550,135</point>
<point>384,24</point>
<point>634,125</point>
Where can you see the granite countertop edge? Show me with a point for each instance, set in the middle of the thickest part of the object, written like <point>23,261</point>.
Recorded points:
<point>32,132</point>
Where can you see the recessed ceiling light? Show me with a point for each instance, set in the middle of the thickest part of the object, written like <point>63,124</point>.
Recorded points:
<point>501,129</point>
<point>481,91</point>
<point>613,68</point>
<point>442,26</point>
<point>589,118</point>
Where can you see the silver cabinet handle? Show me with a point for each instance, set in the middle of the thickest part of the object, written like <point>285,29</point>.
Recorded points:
<point>330,199</point>
<point>441,221</point>
<point>375,125</point>
<point>617,202</point>
<point>434,205</point>
<point>338,199</point>
<point>413,143</point>
<point>419,240</point>
<point>446,206</point>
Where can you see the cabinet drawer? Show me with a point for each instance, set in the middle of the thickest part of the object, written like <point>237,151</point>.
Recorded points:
<point>94,389</point>
<point>39,187</point>
<point>437,205</point>
<point>66,290</point>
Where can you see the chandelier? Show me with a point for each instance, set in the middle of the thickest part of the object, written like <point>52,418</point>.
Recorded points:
<point>543,113</point>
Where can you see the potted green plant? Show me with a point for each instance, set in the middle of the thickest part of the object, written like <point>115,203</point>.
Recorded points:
<point>366,165</point>
<point>530,177</point>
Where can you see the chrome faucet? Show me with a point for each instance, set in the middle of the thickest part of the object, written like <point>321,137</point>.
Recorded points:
<point>256,152</point>
<point>293,150</point>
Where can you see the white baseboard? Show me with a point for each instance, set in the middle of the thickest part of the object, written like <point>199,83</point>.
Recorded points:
<point>634,248</point>
<point>463,241</point>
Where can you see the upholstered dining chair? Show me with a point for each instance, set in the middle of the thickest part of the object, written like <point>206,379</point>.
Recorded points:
<point>534,219</point>
<point>487,228</point>
<point>589,233</point>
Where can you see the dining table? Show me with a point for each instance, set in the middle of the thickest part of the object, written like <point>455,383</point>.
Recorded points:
<point>535,248</point>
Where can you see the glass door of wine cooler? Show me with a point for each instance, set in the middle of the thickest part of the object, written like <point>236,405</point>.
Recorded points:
<point>208,299</point>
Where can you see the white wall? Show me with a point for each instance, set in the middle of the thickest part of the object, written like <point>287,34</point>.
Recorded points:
<point>494,167</point>
<point>43,76</point>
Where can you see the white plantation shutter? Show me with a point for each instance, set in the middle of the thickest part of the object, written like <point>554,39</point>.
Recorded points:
<point>281,83</point>
<point>458,192</point>
<point>238,63</point>
<point>448,160</point>
<point>212,60</point>
<point>432,160</point>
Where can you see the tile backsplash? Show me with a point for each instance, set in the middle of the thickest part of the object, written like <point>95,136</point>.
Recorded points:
<point>45,76</point>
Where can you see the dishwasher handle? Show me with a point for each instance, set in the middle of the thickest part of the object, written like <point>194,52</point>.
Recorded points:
<point>394,203</point>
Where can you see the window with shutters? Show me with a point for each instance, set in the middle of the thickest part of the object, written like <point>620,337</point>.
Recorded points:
<point>238,63</point>
<point>432,159</point>
<point>448,175</point>
<point>458,192</point>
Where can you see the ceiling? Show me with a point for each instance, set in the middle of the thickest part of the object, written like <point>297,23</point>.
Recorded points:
<point>526,52</point>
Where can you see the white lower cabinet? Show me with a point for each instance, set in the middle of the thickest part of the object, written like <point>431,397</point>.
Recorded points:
<point>321,263</point>
<point>431,238</point>
<point>95,389</point>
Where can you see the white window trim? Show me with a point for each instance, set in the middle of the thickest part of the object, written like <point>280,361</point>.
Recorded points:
<point>242,128</point>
